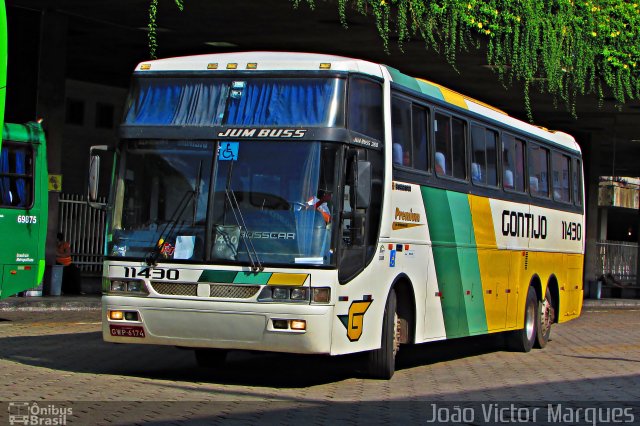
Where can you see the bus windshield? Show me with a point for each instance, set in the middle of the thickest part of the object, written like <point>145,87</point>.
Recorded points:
<point>206,101</point>
<point>180,201</point>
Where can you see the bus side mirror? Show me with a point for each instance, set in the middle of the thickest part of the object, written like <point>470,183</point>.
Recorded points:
<point>94,176</point>
<point>363,184</point>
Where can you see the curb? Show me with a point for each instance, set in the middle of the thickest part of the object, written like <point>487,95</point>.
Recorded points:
<point>51,304</point>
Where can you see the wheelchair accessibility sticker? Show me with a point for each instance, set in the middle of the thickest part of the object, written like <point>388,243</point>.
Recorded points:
<point>228,151</point>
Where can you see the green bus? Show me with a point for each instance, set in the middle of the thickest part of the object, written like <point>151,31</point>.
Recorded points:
<point>23,194</point>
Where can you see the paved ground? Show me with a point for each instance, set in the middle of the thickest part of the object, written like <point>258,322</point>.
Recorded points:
<point>57,359</point>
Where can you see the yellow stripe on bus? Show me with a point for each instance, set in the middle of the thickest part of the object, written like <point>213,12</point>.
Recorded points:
<point>287,279</point>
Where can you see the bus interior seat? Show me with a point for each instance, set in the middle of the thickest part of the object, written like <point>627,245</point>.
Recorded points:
<point>397,153</point>
<point>476,172</point>
<point>440,163</point>
<point>508,179</point>
<point>533,184</point>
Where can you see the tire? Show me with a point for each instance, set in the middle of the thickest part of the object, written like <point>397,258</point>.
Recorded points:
<point>523,340</point>
<point>210,358</point>
<point>382,362</point>
<point>546,318</point>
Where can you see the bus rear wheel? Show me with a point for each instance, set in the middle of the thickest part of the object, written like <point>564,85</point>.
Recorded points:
<point>522,340</point>
<point>210,358</point>
<point>546,318</point>
<point>382,362</point>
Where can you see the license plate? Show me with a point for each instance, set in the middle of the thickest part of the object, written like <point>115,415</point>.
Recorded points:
<point>126,330</point>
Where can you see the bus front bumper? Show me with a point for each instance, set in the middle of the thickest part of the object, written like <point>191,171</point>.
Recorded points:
<point>223,325</point>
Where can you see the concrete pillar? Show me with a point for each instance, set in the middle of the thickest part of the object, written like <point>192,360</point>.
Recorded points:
<point>604,219</point>
<point>591,179</point>
<point>50,105</point>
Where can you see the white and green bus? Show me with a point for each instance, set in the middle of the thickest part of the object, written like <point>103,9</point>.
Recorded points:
<point>317,204</point>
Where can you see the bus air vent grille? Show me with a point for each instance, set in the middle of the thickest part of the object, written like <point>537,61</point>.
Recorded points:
<point>233,291</point>
<point>175,289</point>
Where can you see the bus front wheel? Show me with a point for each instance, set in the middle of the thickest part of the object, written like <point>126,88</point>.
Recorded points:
<point>382,361</point>
<point>210,358</point>
<point>522,340</point>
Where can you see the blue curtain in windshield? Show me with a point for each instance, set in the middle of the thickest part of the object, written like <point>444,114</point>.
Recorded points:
<point>310,227</point>
<point>281,102</point>
<point>178,102</point>
<point>5,183</point>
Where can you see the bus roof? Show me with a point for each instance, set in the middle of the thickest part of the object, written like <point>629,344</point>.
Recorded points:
<point>293,61</point>
<point>30,133</point>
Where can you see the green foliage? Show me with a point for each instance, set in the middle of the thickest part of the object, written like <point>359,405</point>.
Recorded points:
<point>153,27</point>
<point>562,47</point>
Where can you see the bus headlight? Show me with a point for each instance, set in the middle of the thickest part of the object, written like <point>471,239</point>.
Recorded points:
<point>299,294</point>
<point>134,286</point>
<point>279,293</point>
<point>321,295</point>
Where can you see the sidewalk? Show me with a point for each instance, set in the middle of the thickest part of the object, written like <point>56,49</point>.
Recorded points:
<point>93,302</point>
<point>52,303</point>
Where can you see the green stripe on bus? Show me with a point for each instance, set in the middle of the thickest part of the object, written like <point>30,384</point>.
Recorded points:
<point>217,276</point>
<point>252,278</point>
<point>456,261</point>
<point>441,229</point>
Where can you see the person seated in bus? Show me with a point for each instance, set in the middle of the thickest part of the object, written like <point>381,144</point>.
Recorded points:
<point>441,167</point>
<point>508,179</point>
<point>476,172</point>
<point>71,283</point>
<point>397,153</point>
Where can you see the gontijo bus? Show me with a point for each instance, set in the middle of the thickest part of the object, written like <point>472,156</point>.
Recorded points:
<point>318,204</point>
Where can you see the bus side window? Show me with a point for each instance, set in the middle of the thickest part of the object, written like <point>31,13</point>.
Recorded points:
<point>484,156</point>
<point>442,127</point>
<point>16,176</point>
<point>420,118</point>
<point>401,132</point>
<point>560,167</point>
<point>538,171</point>
<point>450,146</point>
<point>365,107</point>
<point>512,163</point>
<point>577,182</point>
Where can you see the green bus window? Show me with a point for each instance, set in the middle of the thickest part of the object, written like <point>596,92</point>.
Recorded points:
<point>419,120</point>
<point>512,163</point>
<point>401,132</point>
<point>560,168</point>
<point>16,176</point>
<point>484,156</point>
<point>538,171</point>
<point>365,107</point>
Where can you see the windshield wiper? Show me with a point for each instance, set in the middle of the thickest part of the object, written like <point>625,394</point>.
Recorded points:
<point>256,265</point>
<point>152,257</point>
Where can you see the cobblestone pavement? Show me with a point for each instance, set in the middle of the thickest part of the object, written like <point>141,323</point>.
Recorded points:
<point>59,361</point>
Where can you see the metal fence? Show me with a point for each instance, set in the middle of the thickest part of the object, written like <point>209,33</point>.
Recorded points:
<point>83,227</point>
<point>618,259</point>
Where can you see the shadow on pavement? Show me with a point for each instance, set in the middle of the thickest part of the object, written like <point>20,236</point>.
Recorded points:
<point>88,353</point>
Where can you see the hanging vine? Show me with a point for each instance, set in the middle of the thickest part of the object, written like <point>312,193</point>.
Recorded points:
<point>153,26</point>
<point>565,48</point>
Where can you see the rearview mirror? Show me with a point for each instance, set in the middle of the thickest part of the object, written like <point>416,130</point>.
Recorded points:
<point>94,176</point>
<point>363,184</point>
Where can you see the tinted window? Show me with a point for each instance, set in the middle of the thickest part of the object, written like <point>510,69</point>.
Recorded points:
<point>16,176</point>
<point>401,132</point>
<point>577,182</point>
<point>560,178</point>
<point>484,156</point>
<point>538,171</point>
<point>365,107</point>
<point>512,163</point>
<point>420,140</point>
<point>450,158</point>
